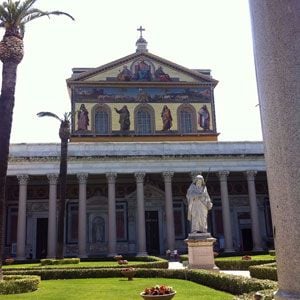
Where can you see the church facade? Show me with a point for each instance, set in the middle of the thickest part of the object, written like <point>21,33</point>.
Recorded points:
<point>143,127</point>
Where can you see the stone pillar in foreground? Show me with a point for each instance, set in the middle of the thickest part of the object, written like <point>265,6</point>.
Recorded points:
<point>276,39</point>
<point>21,228</point>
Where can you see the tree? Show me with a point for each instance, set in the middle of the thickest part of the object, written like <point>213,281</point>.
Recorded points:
<point>64,134</point>
<point>13,17</point>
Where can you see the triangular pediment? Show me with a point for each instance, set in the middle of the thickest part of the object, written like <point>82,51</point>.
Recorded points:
<point>97,199</point>
<point>140,67</point>
<point>150,192</point>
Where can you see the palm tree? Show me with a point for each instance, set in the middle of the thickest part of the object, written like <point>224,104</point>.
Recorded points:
<point>13,17</point>
<point>64,134</point>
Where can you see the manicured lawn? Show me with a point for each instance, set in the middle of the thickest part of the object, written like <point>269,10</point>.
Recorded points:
<point>116,288</point>
<point>72,266</point>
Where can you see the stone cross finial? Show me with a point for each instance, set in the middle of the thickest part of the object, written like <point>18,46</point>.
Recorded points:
<point>141,29</point>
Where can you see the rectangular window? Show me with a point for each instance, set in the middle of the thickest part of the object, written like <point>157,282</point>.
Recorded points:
<point>179,220</point>
<point>72,223</point>
<point>186,122</point>
<point>11,226</point>
<point>121,221</point>
<point>101,122</point>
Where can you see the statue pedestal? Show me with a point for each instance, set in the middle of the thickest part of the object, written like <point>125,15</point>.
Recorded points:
<point>200,251</point>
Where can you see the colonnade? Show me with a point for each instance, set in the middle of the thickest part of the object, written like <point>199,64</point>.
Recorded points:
<point>140,213</point>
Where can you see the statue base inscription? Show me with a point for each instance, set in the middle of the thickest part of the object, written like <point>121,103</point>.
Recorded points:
<point>200,251</point>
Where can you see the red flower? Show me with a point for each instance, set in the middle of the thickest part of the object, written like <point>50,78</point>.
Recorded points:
<point>158,290</point>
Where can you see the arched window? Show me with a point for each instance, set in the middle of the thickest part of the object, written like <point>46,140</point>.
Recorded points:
<point>144,120</point>
<point>102,119</point>
<point>186,118</point>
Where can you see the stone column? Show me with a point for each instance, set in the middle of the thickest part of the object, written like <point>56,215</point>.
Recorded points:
<point>51,251</point>
<point>21,228</point>
<point>112,233</point>
<point>141,228</point>
<point>82,178</point>
<point>169,210</point>
<point>256,235</point>
<point>276,38</point>
<point>226,212</point>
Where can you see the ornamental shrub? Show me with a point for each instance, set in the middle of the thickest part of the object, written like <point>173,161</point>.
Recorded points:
<point>64,261</point>
<point>16,284</point>
<point>240,264</point>
<point>267,271</point>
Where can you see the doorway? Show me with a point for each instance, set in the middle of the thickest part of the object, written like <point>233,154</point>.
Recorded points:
<point>152,232</point>
<point>41,237</point>
<point>247,239</point>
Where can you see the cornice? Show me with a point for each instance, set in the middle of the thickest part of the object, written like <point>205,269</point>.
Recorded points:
<point>131,157</point>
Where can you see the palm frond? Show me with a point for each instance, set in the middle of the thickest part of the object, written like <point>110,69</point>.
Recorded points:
<point>15,14</point>
<point>67,116</point>
<point>48,114</point>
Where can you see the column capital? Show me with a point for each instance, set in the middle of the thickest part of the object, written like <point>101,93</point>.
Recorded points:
<point>82,177</point>
<point>23,179</point>
<point>52,178</point>
<point>168,175</point>
<point>223,175</point>
<point>139,176</point>
<point>111,177</point>
<point>250,174</point>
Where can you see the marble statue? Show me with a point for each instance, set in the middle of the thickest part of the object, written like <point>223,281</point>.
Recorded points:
<point>199,204</point>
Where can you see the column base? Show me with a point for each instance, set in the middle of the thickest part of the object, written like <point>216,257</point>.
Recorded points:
<point>142,254</point>
<point>112,254</point>
<point>285,295</point>
<point>82,256</point>
<point>200,251</point>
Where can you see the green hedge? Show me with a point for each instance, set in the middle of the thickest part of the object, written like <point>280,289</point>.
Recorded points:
<point>241,264</point>
<point>16,284</point>
<point>150,262</point>
<point>229,283</point>
<point>267,271</point>
<point>64,261</point>
<point>234,264</point>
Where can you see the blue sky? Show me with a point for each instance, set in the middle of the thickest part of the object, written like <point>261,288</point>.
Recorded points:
<point>196,34</point>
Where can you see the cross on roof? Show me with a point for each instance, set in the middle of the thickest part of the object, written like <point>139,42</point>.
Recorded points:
<point>141,29</point>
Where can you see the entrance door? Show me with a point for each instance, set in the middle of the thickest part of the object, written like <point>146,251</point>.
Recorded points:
<point>41,237</point>
<point>247,239</point>
<point>152,232</point>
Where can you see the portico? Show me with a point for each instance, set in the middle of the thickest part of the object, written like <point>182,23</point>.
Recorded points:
<point>109,198</point>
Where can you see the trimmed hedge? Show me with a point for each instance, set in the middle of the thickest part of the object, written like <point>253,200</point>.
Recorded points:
<point>16,284</point>
<point>229,283</point>
<point>267,271</point>
<point>150,262</point>
<point>233,264</point>
<point>64,261</point>
<point>241,264</point>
